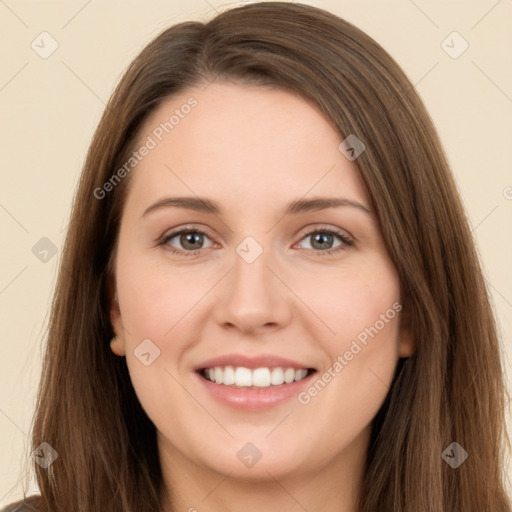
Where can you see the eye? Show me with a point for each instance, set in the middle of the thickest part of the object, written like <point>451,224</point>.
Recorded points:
<point>190,239</point>
<point>323,240</point>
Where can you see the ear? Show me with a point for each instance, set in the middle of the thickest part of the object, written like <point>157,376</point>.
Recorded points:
<point>117,345</point>
<point>406,342</point>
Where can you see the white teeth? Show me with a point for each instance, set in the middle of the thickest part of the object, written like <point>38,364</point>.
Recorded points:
<point>277,376</point>
<point>289,375</point>
<point>229,376</point>
<point>300,374</point>
<point>243,376</point>
<point>260,377</point>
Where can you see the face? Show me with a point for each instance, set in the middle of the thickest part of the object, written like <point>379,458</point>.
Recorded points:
<point>254,284</point>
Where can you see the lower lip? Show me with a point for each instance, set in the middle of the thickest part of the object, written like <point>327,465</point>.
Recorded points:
<point>254,399</point>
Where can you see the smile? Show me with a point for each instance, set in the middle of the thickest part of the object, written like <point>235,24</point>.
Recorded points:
<point>241,377</point>
<point>253,390</point>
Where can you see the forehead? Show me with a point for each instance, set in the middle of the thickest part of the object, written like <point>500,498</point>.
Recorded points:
<point>252,142</point>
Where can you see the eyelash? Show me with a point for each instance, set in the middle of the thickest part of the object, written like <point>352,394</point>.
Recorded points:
<point>346,241</point>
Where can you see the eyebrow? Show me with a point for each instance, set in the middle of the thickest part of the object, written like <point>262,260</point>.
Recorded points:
<point>298,206</point>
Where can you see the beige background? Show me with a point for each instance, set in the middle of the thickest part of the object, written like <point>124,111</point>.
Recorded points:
<point>49,108</point>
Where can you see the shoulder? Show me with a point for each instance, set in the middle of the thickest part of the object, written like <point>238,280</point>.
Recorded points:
<point>27,504</point>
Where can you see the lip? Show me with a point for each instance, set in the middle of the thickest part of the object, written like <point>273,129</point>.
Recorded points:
<point>250,399</point>
<point>252,362</point>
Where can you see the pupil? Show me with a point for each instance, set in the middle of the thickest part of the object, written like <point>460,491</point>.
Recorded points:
<point>320,237</point>
<point>189,238</point>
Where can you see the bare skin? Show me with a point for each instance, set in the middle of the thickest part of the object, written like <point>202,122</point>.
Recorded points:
<point>253,150</point>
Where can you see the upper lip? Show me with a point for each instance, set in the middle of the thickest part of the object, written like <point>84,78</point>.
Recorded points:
<point>251,362</point>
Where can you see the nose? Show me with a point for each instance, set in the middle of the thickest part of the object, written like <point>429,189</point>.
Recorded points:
<point>253,297</point>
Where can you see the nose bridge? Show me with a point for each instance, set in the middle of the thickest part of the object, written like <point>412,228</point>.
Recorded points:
<point>251,276</point>
<point>251,297</point>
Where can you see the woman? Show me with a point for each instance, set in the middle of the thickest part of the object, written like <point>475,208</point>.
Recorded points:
<point>245,371</point>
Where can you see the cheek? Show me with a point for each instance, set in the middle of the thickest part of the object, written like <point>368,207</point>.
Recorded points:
<point>162,305</point>
<point>351,299</point>
<point>362,310</point>
<point>351,389</point>
<point>156,305</point>
<point>153,299</point>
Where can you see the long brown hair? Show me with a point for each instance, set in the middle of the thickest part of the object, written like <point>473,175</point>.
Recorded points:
<point>451,389</point>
